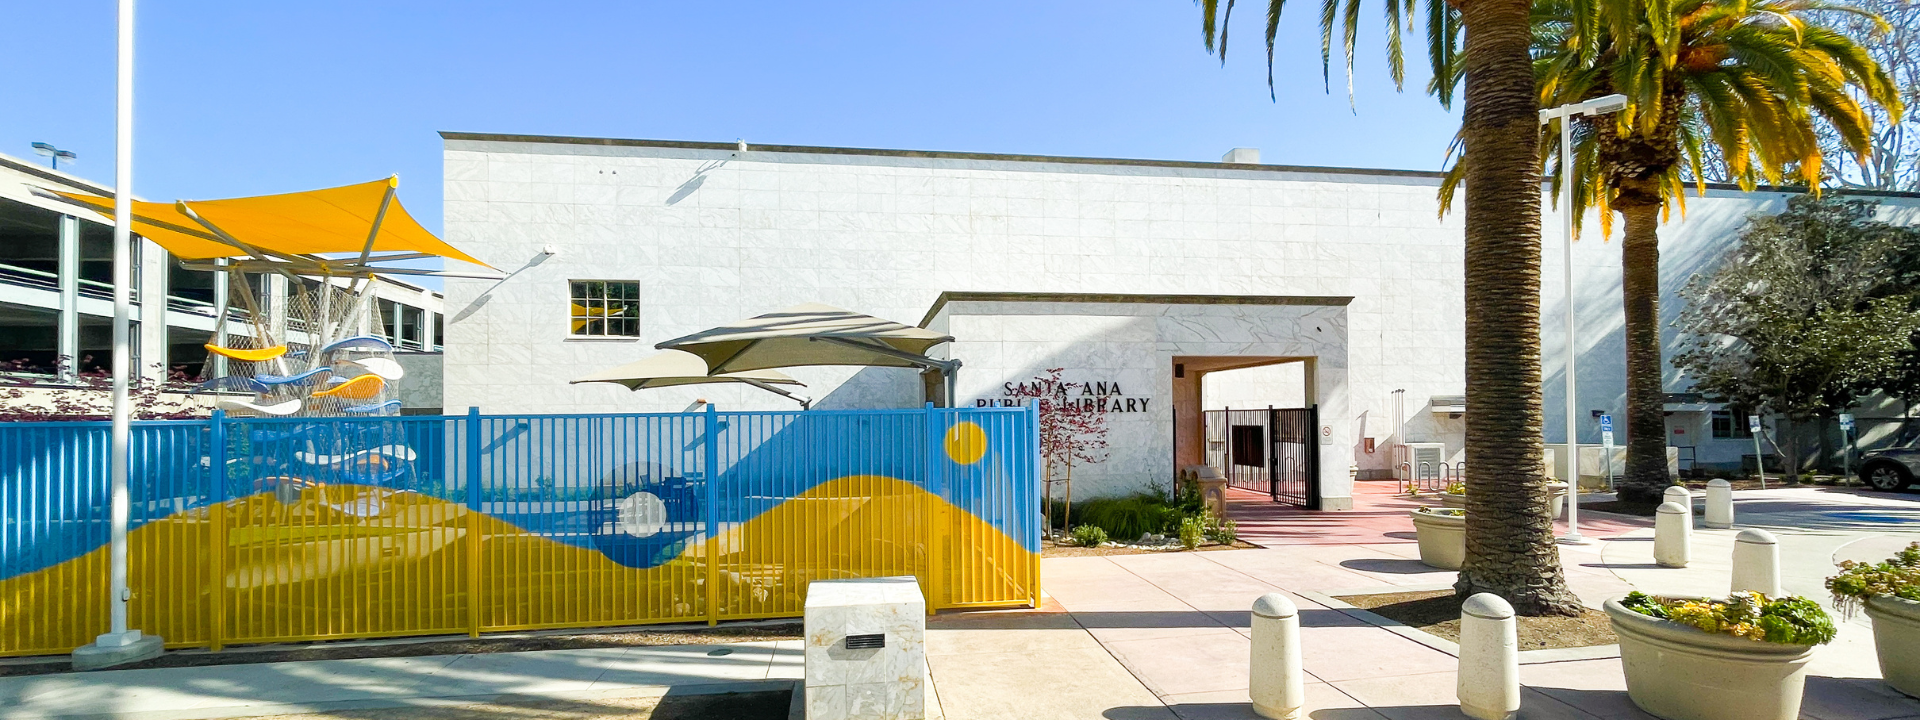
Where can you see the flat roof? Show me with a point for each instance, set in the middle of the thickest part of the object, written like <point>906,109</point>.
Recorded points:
<point>1123,298</point>
<point>1059,159</point>
<point>929,154</point>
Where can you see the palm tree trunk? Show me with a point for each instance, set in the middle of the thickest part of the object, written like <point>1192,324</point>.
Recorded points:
<point>1646,476</point>
<point>1510,548</point>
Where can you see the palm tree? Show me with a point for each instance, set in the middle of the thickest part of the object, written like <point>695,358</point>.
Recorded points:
<point>1510,550</point>
<point>1735,83</point>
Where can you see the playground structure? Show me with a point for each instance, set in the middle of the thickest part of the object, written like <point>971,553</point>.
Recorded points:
<point>311,352</point>
<point>315,354</point>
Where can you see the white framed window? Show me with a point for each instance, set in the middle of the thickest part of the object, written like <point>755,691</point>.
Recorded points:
<point>604,308</point>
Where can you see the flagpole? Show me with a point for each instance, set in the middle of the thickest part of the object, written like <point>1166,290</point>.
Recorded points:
<point>120,645</point>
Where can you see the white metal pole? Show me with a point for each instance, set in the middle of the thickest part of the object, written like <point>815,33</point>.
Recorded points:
<point>122,308</point>
<point>1572,472</point>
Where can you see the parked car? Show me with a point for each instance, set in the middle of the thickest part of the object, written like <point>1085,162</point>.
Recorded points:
<point>1893,468</point>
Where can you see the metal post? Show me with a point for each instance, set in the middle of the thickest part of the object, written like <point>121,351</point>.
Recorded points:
<point>712,475</point>
<point>122,309</point>
<point>935,527</point>
<point>120,644</point>
<point>1759,462</point>
<point>1573,429</point>
<point>474,546</point>
<point>217,528</point>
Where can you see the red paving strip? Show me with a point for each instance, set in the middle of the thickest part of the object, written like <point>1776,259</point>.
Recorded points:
<point>1379,515</point>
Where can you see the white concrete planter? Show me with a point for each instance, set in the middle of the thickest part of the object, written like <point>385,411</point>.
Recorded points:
<point>1453,501</point>
<point>1443,538</point>
<point>1678,672</point>
<point>1896,637</point>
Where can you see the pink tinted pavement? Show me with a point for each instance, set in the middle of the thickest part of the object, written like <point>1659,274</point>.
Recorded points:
<point>1379,515</point>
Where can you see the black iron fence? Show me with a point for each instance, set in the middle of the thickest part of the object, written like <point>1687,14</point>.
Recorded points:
<point>1269,450</point>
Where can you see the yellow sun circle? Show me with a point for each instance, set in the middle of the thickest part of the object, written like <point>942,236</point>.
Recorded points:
<point>966,443</point>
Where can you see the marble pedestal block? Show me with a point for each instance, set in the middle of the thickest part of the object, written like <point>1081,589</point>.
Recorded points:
<point>866,655</point>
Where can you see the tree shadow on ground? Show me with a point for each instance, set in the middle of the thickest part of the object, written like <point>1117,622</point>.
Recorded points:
<point>1396,566</point>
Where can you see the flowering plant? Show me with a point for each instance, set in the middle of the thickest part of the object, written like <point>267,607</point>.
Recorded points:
<point>1751,615</point>
<point>1898,577</point>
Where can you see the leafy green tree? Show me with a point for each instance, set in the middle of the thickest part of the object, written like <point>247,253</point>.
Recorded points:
<point>1797,322</point>
<point>1510,548</point>
<point>1744,85</point>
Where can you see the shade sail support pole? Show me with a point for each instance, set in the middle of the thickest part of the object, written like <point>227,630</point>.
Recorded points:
<point>948,368</point>
<point>805,402</point>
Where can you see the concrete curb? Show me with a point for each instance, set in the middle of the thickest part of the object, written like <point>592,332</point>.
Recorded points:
<point>1527,657</point>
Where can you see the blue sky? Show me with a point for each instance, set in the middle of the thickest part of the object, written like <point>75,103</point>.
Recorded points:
<point>242,98</point>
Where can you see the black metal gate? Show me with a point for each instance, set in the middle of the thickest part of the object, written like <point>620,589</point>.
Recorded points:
<point>1271,450</point>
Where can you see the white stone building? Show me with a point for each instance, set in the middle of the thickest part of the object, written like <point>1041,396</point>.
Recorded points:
<point>1127,272</point>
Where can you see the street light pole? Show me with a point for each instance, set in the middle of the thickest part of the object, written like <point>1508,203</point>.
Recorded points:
<point>1565,114</point>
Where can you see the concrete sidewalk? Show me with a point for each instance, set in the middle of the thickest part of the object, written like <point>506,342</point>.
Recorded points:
<point>225,691</point>
<point>1151,637</point>
<point>1178,623</point>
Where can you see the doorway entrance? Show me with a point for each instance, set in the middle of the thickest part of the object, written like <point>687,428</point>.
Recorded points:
<point>1271,450</point>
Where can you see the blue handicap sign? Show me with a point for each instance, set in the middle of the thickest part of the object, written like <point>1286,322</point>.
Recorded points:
<point>1606,423</point>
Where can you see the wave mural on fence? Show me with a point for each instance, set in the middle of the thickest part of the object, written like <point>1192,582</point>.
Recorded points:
<point>328,560</point>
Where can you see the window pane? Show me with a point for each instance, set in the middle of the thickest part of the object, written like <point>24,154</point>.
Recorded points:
<point>604,308</point>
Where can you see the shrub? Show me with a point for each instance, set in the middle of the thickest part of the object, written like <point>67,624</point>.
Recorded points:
<point>1222,530</point>
<point>1751,615</point>
<point>1455,488</point>
<point>1449,512</point>
<point>1130,517</point>
<point>1898,577</point>
<point>1193,529</point>
<point>1089,536</point>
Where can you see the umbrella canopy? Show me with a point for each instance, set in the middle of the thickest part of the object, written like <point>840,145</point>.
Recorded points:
<point>672,367</point>
<point>349,219</point>
<point>811,334</point>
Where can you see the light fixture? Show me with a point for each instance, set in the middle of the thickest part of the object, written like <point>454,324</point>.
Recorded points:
<point>53,154</point>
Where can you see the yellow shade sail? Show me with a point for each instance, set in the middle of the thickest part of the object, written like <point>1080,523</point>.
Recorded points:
<point>314,222</point>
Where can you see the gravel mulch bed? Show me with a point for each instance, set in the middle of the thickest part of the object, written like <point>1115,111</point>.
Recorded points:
<point>357,649</point>
<point>1049,548</point>
<point>1437,613</point>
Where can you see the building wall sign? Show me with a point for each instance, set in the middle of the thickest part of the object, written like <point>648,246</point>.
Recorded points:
<point>1101,395</point>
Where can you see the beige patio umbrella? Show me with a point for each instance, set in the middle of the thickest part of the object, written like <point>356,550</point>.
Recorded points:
<point>672,368</point>
<point>815,334</point>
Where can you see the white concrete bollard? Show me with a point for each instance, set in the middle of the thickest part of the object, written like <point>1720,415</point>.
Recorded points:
<point>1756,563</point>
<point>1719,504</point>
<point>1277,682</point>
<point>1489,676</point>
<point>1678,494</point>
<point>1672,535</point>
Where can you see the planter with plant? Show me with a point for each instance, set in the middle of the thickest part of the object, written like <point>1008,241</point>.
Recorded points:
<point>1743,657</point>
<point>1455,496</point>
<point>1443,536</point>
<point>1890,593</point>
<point>1089,536</point>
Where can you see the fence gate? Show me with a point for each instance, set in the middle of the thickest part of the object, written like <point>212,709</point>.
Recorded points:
<point>1270,450</point>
